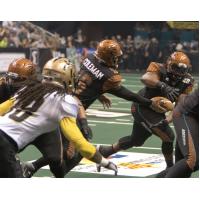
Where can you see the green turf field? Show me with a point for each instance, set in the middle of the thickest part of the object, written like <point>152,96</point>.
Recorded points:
<point>107,130</point>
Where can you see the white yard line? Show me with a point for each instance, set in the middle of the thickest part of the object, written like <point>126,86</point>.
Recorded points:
<point>153,148</point>
<point>110,109</point>
<point>113,122</point>
<point>125,120</point>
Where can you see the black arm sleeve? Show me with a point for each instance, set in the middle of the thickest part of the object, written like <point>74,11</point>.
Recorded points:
<point>124,93</point>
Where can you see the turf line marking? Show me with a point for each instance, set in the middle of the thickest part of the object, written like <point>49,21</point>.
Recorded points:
<point>125,120</point>
<point>103,122</point>
<point>153,148</point>
<point>112,122</point>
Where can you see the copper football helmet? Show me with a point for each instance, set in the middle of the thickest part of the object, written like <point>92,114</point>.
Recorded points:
<point>60,71</point>
<point>21,68</point>
<point>178,64</point>
<point>109,51</point>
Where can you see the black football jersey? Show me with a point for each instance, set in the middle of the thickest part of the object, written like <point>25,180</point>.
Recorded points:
<point>183,84</point>
<point>189,105</point>
<point>97,77</point>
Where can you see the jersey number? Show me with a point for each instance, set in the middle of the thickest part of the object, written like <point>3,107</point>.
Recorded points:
<point>20,115</point>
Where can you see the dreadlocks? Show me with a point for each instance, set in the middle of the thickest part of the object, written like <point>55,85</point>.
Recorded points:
<point>36,91</point>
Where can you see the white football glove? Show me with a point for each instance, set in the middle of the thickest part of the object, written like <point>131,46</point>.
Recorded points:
<point>108,165</point>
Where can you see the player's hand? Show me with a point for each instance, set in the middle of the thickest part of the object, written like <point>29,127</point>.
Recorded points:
<point>85,129</point>
<point>156,105</point>
<point>108,165</point>
<point>113,167</point>
<point>106,102</point>
<point>170,92</point>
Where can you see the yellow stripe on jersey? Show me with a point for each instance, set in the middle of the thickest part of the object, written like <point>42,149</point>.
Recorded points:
<point>6,106</point>
<point>73,134</point>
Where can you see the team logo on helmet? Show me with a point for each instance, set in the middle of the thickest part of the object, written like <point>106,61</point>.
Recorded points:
<point>60,71</point>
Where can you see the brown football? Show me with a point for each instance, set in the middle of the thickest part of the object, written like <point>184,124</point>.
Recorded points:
<point>167,104</point>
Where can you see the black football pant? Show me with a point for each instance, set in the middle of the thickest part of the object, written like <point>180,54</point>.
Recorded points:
<point>146,123</point>
<point>51,147</point>
<point>9,165</point>
<point>187,147</point>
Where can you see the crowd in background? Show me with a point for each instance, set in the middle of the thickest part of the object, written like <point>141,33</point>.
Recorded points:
<point>145,44</point>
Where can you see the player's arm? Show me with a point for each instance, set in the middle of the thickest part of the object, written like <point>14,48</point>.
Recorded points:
<point>152,79</point>
<point>128,95</point>
<point>113,86</point>
<point>6,106</point>
<point>187,102</point>
<point>82,121</point>
<point>152,76</point>
<point>105,101</point>
<point>86,149</point>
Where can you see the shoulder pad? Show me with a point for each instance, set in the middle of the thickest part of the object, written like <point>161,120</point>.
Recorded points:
<point>154,67</point>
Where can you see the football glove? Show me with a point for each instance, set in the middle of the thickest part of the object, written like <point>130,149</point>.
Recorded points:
<point>108,165</point>
<point>112,166</point>
<point>170,92</point>
<point>85,129</point>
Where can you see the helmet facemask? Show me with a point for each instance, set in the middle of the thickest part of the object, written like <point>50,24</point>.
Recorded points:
<point>60,72</point>
<point>179,69</point>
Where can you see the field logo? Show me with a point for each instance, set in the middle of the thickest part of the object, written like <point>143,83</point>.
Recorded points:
<point>129,164</point>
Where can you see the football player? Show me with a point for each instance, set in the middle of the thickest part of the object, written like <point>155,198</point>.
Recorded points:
<point>18,72</point>
<point>169,80</point>
<point>186,123</point>
<point>98,75</point>
<point>38,108</point>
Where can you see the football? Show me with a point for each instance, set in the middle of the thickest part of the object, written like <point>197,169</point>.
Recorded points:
<point>166,103</point>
